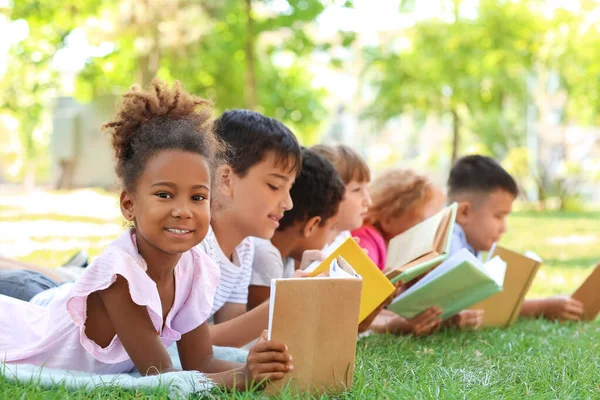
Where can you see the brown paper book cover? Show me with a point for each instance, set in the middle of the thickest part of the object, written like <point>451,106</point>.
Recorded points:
<point>502,309</point>
<point>589,294</point>
<point>316,319</point>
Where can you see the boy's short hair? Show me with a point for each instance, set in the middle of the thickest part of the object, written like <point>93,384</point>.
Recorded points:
<point>349,164</point>
<point>476,174</point>
<point>251,136</point>
<point>317,192</point>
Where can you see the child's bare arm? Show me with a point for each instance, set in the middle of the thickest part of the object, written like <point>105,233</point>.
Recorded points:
<point>257,295</point>
<point>561,308</point>
<point>229,311</point>
<point>132,324</point>
<point>239,331</point>
<point>266,360</point>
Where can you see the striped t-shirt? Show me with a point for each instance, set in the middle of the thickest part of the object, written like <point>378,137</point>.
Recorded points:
<point>235,276</point>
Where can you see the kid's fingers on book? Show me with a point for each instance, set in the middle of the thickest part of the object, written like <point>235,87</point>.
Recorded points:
<point>376,287</point>
<point>316,319</point>
<point>422,247</point>
<point>502,309</point>
<point>589,294</point>
<point>456,284</point>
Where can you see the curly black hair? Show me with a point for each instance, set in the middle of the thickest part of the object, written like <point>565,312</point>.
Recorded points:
<point>479,174</point>
<point>317,192</point>
<point>160,118</point>
<point>251,136</point>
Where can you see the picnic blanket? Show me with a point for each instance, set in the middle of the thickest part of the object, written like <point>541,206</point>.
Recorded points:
<point>179,384</point>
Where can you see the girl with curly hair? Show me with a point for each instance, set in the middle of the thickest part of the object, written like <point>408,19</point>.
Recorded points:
<point>152,286</point>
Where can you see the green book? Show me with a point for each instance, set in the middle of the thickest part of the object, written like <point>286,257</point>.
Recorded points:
<point>422,247</point>
<point>456,284</point>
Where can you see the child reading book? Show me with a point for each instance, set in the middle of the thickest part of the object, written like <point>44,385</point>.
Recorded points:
<point>316,195</point>
<point>152,286</point>
<point>401,199</point>
<point>356,176</point>
<point>485,193</point>
<point>250,196</point>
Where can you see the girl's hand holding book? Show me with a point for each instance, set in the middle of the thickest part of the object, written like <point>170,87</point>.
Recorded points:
<point>268,360</point>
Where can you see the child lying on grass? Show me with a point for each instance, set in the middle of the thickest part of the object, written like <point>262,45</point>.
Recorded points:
<point>485,193</point>
<point>151,287</point>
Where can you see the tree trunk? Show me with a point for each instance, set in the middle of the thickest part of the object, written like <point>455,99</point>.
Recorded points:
<point>250,89</point>
<point>455,135</point>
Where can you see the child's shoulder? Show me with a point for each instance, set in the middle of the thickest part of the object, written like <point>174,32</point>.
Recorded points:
<point>367,231</point>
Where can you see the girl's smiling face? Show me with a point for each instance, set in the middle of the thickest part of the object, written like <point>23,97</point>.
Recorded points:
<point>170,203</point>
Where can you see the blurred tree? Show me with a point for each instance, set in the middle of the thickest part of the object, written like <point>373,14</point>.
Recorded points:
<point>239,54</point>
<point>30,82</point>
<point>466,66</point>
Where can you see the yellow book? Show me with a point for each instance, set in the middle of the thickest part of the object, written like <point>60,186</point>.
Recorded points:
<point>376,286</point>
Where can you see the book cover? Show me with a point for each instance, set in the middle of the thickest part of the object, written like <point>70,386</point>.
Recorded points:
<point>502,309</point>
<point>589,294</point>
<point>316,319</point>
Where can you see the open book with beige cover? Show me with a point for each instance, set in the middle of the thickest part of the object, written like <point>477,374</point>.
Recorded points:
<point>317,319</point>
<point>589,294</point>
<point>502,309</point>
<point>422,247</point>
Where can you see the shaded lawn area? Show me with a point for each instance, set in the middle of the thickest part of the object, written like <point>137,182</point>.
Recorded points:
<point>536,359</point>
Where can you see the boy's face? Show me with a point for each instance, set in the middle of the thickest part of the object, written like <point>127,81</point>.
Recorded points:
<point>485,223</point>
<point>354,206</point>
<point>260,198</point>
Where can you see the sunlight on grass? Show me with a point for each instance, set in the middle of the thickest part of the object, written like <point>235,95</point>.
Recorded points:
<point>535,359</point>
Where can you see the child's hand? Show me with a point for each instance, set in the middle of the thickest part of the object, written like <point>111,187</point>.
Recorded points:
<point>466,319</point>
<point>268,360</point>
<point>561,308</point>
<point>300,274</point>
<point>426,322</point>
<point>310,256</point>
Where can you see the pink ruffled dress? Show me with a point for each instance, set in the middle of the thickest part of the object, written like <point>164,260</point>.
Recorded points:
<point>54,336</point>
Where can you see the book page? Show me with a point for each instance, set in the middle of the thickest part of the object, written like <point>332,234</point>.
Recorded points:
<point>533,256</point>
<point>339,268</point>
<point>271,306</point>
<point>415,242</point>
<point>496,269</point>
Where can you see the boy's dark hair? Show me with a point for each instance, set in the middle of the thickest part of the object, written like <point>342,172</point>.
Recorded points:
<point>479,174</point>
<point>250,136</point>
<point>317,192</point>
<point>160,118</point>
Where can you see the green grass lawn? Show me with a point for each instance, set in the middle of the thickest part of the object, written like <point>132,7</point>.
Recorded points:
<point>535,359</point>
